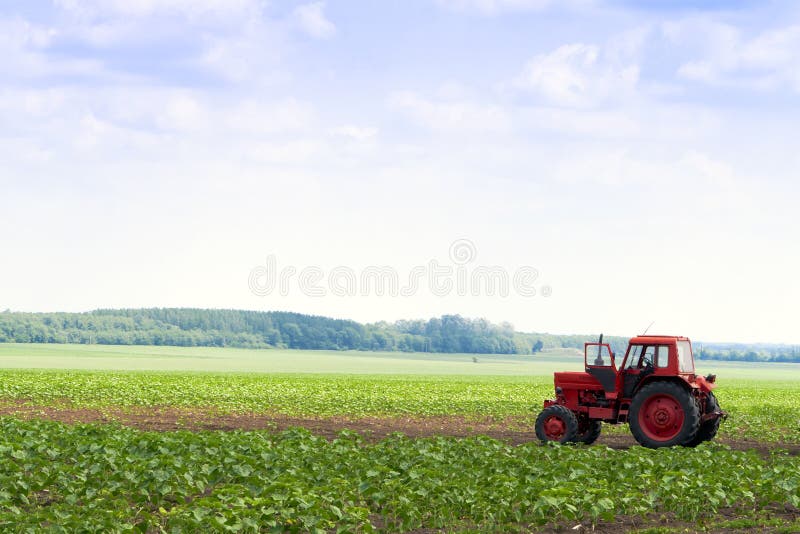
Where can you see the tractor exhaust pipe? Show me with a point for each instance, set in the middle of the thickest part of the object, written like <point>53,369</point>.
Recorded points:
<point>599,359</point>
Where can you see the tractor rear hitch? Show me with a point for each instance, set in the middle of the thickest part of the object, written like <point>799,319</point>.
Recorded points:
<point>718,414</point>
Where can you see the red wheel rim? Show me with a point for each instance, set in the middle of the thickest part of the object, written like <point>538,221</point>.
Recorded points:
<point>661,417</point>
<point>554,428</point>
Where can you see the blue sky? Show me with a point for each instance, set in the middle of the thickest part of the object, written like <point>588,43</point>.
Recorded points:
<point>641,156</point>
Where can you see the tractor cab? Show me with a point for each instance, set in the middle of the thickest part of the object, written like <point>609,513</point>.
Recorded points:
<point>670,355</point>
<point>646,356</point>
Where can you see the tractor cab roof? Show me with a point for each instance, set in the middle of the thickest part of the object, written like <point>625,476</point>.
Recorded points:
<point>656,339</point>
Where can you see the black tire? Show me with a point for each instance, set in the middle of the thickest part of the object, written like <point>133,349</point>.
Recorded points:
<point>708,430</point>
<point>588,431</point>
<point>664,414</point>
<point>556,423</point>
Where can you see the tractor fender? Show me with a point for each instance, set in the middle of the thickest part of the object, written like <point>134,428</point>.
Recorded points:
<point>704,385</point>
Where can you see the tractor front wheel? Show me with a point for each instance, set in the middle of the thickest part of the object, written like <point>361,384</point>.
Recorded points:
<point>556,423</point>
<point>664,414</point>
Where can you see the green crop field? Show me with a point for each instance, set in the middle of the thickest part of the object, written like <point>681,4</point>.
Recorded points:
<point>765,410</point>
<point>108,477</point>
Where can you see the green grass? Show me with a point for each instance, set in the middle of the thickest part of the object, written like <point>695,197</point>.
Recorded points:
<point>149,358</point>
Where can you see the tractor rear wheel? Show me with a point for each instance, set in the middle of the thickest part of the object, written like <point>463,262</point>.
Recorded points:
<point>708,429</point>
<point>556,423</point>
<point>588,430</point>
<point>664,414</point>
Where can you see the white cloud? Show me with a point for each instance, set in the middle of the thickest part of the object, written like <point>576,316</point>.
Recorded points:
<point>151,124</point>
<point>311,19</point>
<point>628,46</point>
<point>284,152</point>
<point>450,114</point>
<point>259,117</point>
<point>23,49</point>
<point>597,124</point>
<point>773,49</point>
<point>252,54</point>
<point>21,151</point>
<point>559,75</point>
<point>182,112</point>
<point>235,39</point>
<point>716,42</point>
<point>356,133</point>
<point>578,75</point>
<point>20,33</point>
<point>769,60</point>
<point>698,70</point>
<point>495,7</point>
<point>146,8</point>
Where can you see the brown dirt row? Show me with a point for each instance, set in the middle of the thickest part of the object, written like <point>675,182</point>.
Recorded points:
<point>512,430</point>
<point>777,517</point>
<point>773,515</point>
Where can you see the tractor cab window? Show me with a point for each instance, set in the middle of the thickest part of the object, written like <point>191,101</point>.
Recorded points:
<point>685,360</point>
<point>649,356</point>
<point>634,357</point>
<point>641,356</point>
<point>662,356</point>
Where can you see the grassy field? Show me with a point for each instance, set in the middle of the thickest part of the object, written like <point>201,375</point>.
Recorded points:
<point>135,358</point>
<point>139,358</point>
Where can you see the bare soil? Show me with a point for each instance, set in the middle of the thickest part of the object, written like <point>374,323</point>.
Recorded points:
<point>513,430</point>
<point>785,514</point>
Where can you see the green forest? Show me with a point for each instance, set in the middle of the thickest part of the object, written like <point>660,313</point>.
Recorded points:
<point>188,327</point>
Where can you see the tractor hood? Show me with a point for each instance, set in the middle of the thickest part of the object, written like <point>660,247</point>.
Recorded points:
<point>576,380</point>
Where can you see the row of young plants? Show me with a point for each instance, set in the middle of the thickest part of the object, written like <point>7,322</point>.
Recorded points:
<point>108,478</point>
<point>290,394</point>
<point>759,410</point>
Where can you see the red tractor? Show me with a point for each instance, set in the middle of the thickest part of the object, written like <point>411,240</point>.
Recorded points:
<point>655,390</point>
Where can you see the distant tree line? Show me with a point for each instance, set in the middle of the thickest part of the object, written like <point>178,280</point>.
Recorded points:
<point>188,327</point>
<point>251,329</point>
<point>746,353</point>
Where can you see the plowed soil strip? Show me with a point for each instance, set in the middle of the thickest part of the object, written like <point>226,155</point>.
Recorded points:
<point>514,430</point>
